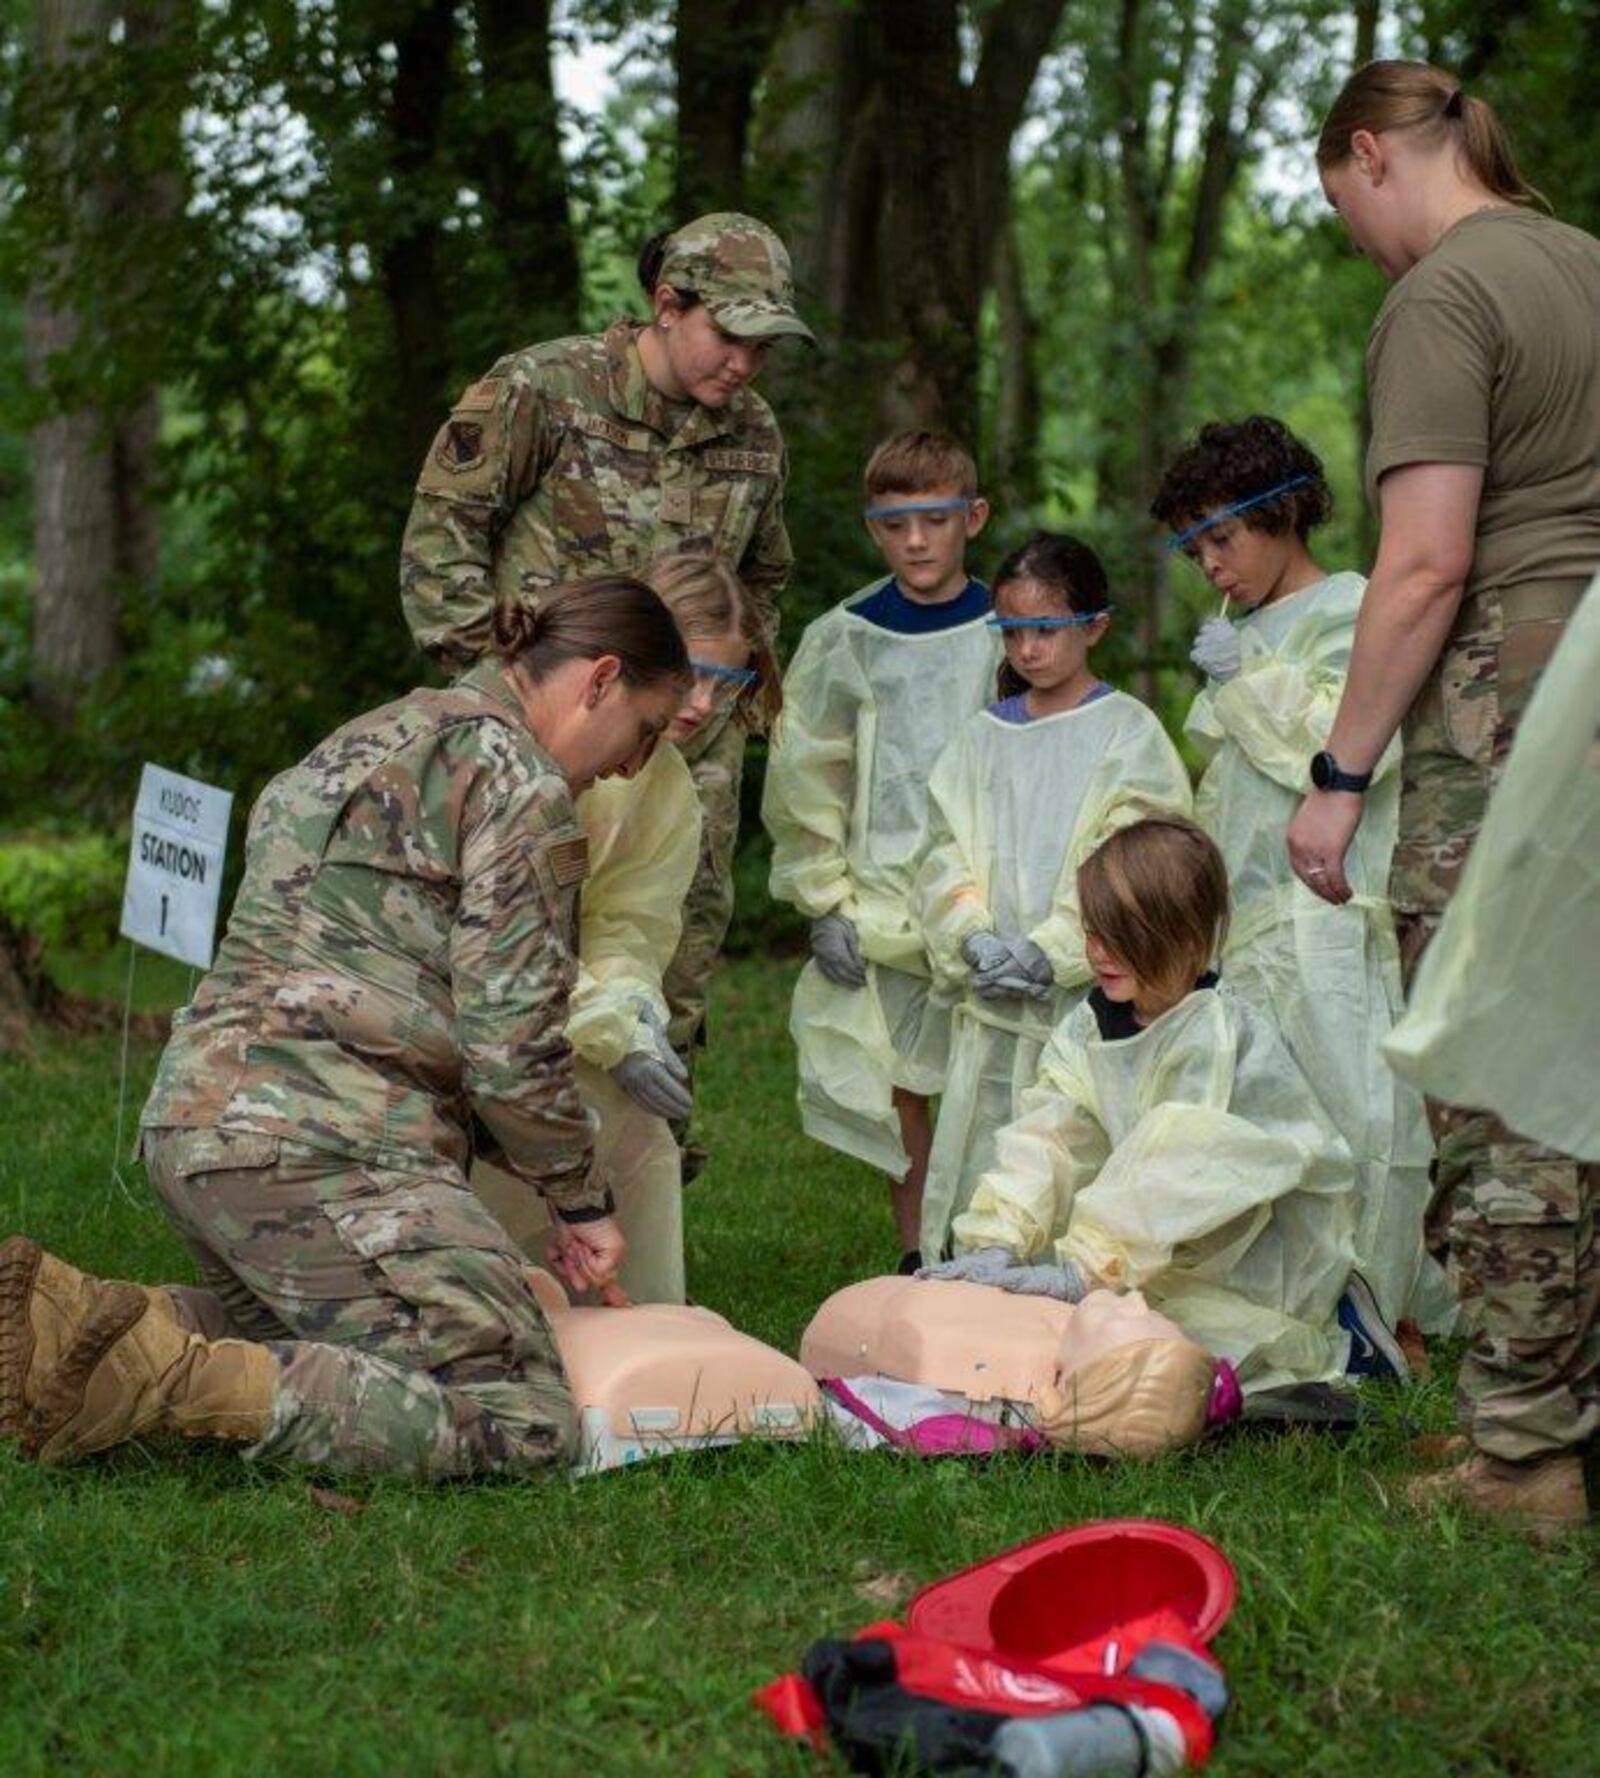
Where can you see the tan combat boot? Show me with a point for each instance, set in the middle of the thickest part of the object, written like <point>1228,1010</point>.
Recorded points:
<point>44,1305</point>
<point>85,1364</point>
<point>1545,1496</point>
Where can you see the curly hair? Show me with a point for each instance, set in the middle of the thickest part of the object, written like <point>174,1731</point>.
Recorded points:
<point>1232,460</point>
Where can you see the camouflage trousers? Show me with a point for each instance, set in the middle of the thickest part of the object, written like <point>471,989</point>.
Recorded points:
<point>398,1310</point>
<point>716,763</point>
<point>1513,1221</point>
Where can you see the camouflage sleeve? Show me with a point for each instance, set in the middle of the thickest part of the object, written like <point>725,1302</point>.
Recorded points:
<point>486,458</point>
<point>717,769</point>
<point>512,969</point>
<point>768,559</point>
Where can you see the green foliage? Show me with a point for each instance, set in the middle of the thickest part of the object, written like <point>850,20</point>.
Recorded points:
<point>277,169</point>
<point>65,891</point>
<point>172,1610</point>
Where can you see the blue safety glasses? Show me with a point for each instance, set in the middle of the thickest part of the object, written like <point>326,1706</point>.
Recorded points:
<point>1075,622</point>
<point>1182,539</point>
<point>952,503</point>
<point>726,684</point>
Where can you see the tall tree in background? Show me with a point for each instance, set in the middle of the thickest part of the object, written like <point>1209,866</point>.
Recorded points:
<point>720,50</point>
<point>1165,218</point>
<point>445,196</point>
<point>896,168</point>
<point>94,443</point>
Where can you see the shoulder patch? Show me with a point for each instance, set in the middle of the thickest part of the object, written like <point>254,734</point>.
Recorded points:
<point>478,398</point>
<point>569,859</point>
<point>742,462</point>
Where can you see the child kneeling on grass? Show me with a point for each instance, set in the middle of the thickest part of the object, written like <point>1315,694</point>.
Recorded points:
<point>1171,1145</point>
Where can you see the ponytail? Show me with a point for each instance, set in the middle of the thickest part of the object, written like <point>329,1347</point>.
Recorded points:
<point>584,619</point>
<point>1487,147</point>
<point>651,255</point>
<point>1416,97</point>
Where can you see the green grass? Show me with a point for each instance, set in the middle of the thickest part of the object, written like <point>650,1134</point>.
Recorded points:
<point>171,1611</point>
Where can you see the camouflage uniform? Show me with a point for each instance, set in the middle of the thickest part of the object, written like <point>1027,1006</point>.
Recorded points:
<point>566,462</point>
<point>393,985</point>
<point>1517,1218</point>
<point>715,758</point>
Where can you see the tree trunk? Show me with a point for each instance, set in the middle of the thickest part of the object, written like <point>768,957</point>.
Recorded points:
<point>719,48</point>
<point>95,523</point>
<point>17,1007</point>
<point>409,259</point>
<point>522,175</point>
<point>897,171</point>
<point>927,234</point>
<point>1014,458</point>
<point>74,491</point>
<point>1163,307</point>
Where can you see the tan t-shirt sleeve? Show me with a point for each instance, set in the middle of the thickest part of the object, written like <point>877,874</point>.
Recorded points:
<point>1430,375</point>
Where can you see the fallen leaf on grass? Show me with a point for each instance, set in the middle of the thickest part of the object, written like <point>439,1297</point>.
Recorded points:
<point>883,1589</point>
<point>331,1501</point>
<point>1437,1446</point>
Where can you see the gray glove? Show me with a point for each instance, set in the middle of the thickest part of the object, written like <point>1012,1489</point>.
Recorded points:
<point>982,1266</point>
<point>987,952</point>
<point>652,1075</point>
<point>997,1266</point>
<point>838,951</point>
<point>1030,963</point>
<point>1065,1282</point>
<point>1217,652</point>
<point>998,969</point>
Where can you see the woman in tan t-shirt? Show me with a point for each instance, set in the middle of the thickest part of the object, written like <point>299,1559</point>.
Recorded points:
<point>1484,374</point>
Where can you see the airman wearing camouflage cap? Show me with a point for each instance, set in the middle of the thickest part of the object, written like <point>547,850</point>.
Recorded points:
<point>740,270</point>
<point>603,453</point>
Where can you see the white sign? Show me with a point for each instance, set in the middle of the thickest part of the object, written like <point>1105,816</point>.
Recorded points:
<point>180,831</point>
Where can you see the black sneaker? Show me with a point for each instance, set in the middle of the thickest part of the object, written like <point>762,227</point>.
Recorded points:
<point>1374,1351</point>
<point>909,1263</point>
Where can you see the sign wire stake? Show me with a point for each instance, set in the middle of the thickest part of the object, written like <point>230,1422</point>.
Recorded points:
<point>117,1178</point>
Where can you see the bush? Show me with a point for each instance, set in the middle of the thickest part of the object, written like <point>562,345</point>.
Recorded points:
<point>65,892</point>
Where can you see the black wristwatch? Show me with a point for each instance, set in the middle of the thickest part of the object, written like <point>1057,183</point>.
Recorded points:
<point>1326,775</point>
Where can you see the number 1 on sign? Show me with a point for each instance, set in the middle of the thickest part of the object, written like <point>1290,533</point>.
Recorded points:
<point>163,916</point>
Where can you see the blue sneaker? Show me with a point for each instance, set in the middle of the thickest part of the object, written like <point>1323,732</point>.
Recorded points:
<point>1374,1351</point>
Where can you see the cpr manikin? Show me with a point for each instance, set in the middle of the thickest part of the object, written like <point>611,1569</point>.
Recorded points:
<point>1108,1376</point>
<point>663,1377</point>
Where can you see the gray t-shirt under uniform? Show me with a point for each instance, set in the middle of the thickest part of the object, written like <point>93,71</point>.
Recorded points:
<point>1488,352</point>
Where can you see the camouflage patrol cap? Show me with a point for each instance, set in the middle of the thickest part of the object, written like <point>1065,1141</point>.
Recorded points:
<point>740,270</point>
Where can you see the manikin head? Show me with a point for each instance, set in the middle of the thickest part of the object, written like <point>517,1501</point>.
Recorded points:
<point>1130,1383</point>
